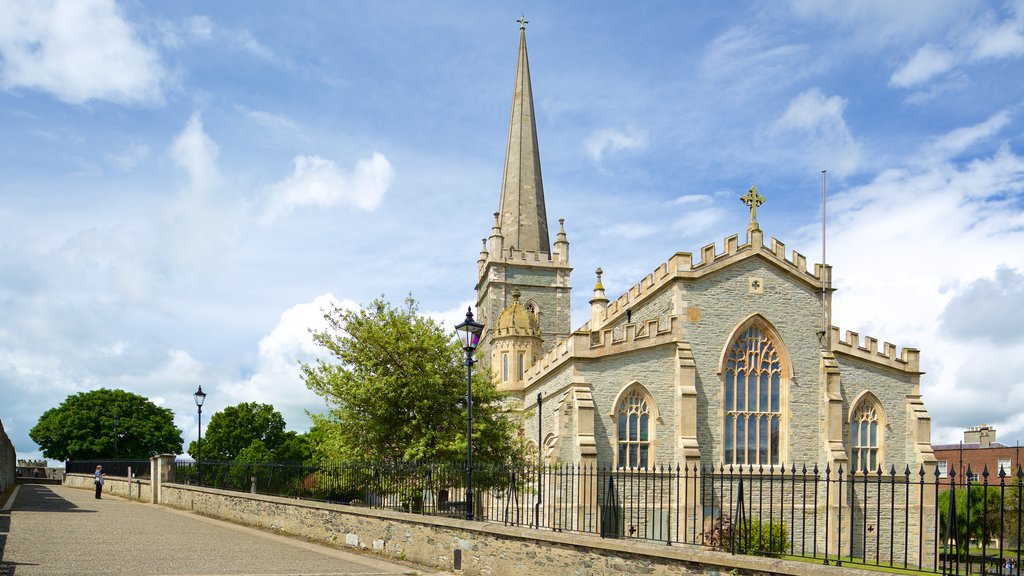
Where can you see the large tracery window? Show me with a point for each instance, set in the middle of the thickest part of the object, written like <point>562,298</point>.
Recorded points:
<point>634,423</point>
<point>865,436</point>
<point>753,390</point>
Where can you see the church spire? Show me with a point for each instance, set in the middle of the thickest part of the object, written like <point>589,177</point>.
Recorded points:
<point>523,217</point>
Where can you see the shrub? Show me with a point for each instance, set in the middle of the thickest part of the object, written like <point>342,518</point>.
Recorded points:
<point>763,539</point>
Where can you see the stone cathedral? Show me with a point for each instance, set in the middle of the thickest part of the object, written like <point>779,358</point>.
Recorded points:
<point>719,357</point>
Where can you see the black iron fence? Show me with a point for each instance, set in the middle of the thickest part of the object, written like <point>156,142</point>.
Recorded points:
<point>911,520</point>
<point>139,468</point>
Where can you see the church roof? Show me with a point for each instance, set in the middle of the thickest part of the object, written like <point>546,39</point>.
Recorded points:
<point>523,218</point>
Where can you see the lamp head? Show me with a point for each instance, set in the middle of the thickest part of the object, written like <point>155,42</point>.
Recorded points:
<point>200,397</point>
<point>469,332</point>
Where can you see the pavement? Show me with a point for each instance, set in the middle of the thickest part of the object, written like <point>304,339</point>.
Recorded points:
<point>58,531</point>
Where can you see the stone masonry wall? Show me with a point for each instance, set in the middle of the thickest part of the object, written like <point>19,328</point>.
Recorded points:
<point>891,389</point>
<point>609,376</point>
<point>724,300</point>
<point>485,548</point>
<point>113,485</point>
<point>8,460</point>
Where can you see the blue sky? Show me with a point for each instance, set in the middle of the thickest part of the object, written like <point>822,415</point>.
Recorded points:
<point>185,185</point>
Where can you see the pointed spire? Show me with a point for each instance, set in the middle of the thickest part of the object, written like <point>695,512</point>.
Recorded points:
<point>523,216</point>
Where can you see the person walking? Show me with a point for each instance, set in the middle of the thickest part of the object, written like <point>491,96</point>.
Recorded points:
<point>99,481</point>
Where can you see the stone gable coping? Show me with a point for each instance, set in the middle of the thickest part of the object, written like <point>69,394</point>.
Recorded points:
<point>909,360</point>
<point>681,265</point>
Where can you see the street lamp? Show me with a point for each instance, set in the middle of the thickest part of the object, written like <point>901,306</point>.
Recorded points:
<point>469,335</point>
<point>200,397</point>
<point>117,422</point>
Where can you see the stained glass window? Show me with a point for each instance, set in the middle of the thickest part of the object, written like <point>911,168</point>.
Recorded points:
<point>865,437</point>
<point>753,388</point>
<point>634,439</point>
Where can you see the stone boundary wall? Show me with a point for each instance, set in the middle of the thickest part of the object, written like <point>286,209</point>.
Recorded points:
<point>485,548</point>
<point>8,461</point>
<point>139,489</point>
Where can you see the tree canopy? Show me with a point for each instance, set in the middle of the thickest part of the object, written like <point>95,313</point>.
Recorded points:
<point>82,427</point>
<point>398,390</point>
<point>236,428</point>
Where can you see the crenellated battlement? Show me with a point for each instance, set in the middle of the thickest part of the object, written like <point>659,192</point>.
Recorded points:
<point>585,344</point>
<point>682,265</point>
<point>797,262</point>
<point>908,360</point>
<point>605,339</point>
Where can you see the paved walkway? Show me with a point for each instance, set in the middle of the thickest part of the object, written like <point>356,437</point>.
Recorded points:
<point>56,531</point>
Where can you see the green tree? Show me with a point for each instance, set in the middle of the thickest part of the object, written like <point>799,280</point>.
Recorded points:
<point>234,429</point>
<point>82,427</point>
<point>397,391</point>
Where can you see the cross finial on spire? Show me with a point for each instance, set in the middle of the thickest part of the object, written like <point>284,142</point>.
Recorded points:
<point>753,200</point>
<point>523,22</point>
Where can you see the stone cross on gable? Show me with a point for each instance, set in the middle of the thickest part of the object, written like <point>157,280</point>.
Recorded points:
<point>523,22</point>
<point>753,200</point>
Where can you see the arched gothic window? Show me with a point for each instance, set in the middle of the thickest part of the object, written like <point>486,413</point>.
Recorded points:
<point>633,416</point>
<point>865,435</point>
<point>753,399</point>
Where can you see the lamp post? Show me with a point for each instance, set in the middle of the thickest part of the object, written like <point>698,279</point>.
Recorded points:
<point>117,422</point>
<point>469,335</point>
<point>200,397</point>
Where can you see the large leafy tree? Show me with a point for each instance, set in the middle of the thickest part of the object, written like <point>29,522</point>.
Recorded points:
<point>82,427</point>
<point>397,391</point>
<point>235,428</point>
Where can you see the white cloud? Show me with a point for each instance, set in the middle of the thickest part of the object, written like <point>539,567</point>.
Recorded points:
<point>269,120</point>
<point>915,239</point>
<point>276,378</point>
<point>77,50</point>
<point>316,181</point>
<point>1003,40</point>
<point>196,153</point>
<point>814,130</point>
<point>959,140</point>
<point>610,140</point>
<point>451,317</point>
<point>928,62</point>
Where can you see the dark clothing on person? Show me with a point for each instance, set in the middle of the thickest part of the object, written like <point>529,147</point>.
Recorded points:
<point>99,483</point>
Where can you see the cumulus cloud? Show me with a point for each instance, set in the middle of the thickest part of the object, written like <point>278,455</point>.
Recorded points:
<point>988,309</point>
<point>814,128</point>
<point>912,252</point>
<point>928,62</point>
<point>316,181</point>
<point>1000,39</point>
<point>610,140</point>
<point>276,378</point>
<point>77,50</point>
<point>196,153</point>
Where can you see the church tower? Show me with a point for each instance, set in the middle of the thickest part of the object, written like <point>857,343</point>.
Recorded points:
<point>518,254</point>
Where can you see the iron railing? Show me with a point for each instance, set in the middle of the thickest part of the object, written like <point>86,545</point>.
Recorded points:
<point>887,519</point>
<point>139,468</point>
